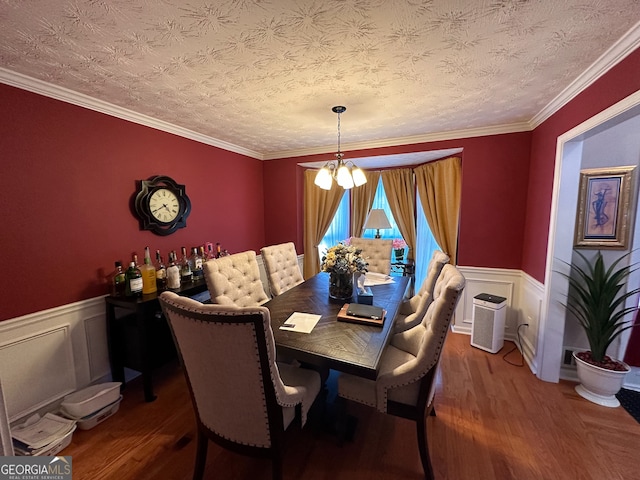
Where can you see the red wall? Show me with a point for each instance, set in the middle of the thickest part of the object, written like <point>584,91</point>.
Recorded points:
<point>68,176</point>
<point>620,82</point>
<point>494,192</point>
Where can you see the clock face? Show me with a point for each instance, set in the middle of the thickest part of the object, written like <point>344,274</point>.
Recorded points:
<point>164,205</point>
<point>161,205</point>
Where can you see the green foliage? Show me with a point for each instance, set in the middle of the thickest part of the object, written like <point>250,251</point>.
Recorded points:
<point>596,299</point>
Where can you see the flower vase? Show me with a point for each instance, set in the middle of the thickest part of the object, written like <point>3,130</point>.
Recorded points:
<point>399,252</point>
<point>341,286</point>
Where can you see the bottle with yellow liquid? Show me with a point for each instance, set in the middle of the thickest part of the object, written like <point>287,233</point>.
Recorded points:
<point>148,272</point>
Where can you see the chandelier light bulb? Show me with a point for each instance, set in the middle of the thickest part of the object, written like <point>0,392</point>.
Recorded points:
<point>344,178</point>
<point>358,176</point>
<point>323,178</point>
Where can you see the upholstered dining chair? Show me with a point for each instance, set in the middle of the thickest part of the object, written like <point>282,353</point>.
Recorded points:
<point>412,310</point>
<point>405,383</point>
<point>282,268</point>
<point>235,280</point>
<point>376,252</point>
<point>243,400</point>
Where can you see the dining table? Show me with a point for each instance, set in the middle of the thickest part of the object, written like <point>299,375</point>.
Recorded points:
<point>347,347</point>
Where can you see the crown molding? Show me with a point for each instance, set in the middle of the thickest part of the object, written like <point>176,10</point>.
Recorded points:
<point>614,55</point>
<point>391,142</point>
<point>41,87</point>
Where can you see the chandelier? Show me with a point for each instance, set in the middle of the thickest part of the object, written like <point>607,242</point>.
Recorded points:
<point>346,174</point>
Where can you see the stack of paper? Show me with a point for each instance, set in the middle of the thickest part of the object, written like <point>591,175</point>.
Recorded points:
<point>300,322</point>
<point>374,278</point>
<point>40,435</point>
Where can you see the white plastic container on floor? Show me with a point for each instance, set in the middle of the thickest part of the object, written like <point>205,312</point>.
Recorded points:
<point>88,422</point>
<point>89,400</point>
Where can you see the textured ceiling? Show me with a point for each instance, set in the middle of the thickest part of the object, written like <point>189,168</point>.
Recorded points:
<point>264,74</point>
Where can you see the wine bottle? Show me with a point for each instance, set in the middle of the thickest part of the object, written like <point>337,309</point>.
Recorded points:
<point>195,263</point>
<point>133,281</point>
<point>148,272</point>
<point>118,281</point>
<point>173,272</point>
<point>161,272</point>
<point>186,275</point>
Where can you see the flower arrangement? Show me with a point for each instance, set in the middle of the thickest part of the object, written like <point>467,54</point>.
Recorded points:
<point>343,259</point>
<point>399,243</point>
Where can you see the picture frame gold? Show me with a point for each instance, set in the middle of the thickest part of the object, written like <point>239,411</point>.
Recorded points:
<point>602,219</point>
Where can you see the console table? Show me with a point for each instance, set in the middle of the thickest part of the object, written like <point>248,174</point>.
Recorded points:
<point>407,268</point>
<point>139,336</point>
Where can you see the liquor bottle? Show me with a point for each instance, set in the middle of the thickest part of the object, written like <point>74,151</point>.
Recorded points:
<point>133,281</point>
<point>195,263</point>
<point>118,281</point>
<point>217,250</point>
<point>134,258</point>
<point>186,275</point>
<point>161,272</point>
<point>203,254</point>
<point>173,272</point>
<point>210,254</point>
<point>148,272</point>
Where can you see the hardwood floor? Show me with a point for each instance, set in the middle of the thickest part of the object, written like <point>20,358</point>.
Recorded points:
<point>494,421</point>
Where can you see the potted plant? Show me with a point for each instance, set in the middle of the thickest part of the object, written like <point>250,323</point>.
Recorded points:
<point>596,298</point>
<point>341,261</point>
<point>398,248</point>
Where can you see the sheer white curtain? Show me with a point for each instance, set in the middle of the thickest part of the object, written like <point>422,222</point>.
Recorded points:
<point>380,201</point>
<point>339,228</point>
<point>426,244</point>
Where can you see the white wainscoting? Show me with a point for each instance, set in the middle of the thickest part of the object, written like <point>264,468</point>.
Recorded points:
<point>48,354</point>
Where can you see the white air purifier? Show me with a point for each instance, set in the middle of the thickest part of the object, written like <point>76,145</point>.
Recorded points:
<point>487,331</point>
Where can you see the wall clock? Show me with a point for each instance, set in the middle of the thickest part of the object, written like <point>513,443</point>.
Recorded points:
<point>162,205</point>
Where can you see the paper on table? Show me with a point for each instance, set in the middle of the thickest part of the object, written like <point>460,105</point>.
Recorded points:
<point>374,278</point>
<point>300,322</point>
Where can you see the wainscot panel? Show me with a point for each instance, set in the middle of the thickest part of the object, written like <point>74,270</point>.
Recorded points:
<point>48,354</point>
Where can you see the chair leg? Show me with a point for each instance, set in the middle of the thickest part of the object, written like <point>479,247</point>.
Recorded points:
<point>423,446</point>
<point>201,456</point>
<point>276,467</point>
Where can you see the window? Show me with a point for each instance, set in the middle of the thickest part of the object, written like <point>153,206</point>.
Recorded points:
<point>380,201</point>
<point>426,244</point>
<point>339,228</point>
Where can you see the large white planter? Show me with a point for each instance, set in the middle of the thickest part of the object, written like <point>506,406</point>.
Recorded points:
<point>599,385</point>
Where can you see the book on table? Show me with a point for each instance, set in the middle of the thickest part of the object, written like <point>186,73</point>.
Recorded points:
<point>360,313</point>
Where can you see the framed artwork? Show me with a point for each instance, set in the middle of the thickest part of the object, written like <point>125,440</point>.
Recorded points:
<point>603,208</point>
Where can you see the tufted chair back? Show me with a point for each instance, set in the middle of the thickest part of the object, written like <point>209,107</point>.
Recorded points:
<point>235,280</point>
<point>376,252</point>
<point>438,260</point>
<point>412,311</point>
<point>281,265</point>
